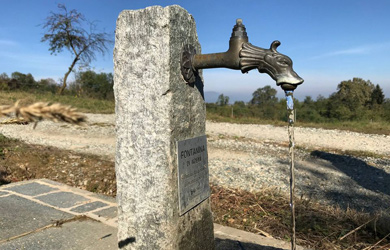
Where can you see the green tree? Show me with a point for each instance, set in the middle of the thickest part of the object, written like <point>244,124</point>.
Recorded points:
<point>377,96</point>
<point>386,109</point>
<point>321,105</point>
<point>352,99</point>
<point>355,93</point>
<point>47,84</point>
<point>307,110</point>
<point>4,77</point>
<point>308,100</point>
<point>66,30</point>
<point>264,96</point>
<point>222,100</point>
<point>264,102</point>
<point>240,104</point>
<point>30,81</point>
<point>96,85</point>
<point>19,76</point>
<point>26,81</point>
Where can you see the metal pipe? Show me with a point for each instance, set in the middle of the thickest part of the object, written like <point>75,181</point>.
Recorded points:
<point>229,59</point>
<point>243,56</point>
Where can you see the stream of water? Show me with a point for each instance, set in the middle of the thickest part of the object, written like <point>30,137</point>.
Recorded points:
<point>291,120</point>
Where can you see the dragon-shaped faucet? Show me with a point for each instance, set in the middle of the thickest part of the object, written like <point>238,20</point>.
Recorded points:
<point>243,56</point>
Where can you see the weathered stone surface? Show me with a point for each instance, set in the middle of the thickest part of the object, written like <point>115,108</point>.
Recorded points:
<point>75,235</point>
<point>89,207</point>
<point>62,199</point>
<point>19,215</point>
<point>154,109</point>
<point>110,212</point>
<point>31,189</point>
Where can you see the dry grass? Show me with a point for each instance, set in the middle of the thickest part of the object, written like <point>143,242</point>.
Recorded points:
<point>85,105</point>
<point>318,227</point>
<point>43,111</point>
<point>20,161</point>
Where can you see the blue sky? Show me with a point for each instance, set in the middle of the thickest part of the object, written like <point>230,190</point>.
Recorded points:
<point>329,41</point>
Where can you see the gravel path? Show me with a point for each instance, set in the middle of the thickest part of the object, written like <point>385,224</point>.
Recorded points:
<point>97,137</point>
<point>310,137</point>
<point>254,157</point>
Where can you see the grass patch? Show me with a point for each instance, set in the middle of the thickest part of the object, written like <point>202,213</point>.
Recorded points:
<point>86,105</point>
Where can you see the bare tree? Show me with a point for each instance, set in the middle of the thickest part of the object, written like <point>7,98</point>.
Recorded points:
<point>65,30</point>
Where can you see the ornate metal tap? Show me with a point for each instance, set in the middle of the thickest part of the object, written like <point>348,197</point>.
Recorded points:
<point>243,56</point>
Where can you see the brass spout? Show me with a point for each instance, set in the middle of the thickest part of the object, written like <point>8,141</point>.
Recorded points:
<point>229,59</point>
<point>243,56</point>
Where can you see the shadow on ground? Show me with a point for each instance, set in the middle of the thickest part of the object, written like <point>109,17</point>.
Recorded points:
<point>365,175</point>
<point>224,244</point>
<point>3,174</point>
<point>343,180</point>
<point>361,186</point>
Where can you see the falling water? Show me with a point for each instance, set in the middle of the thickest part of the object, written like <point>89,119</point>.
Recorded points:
<point>291,119</point>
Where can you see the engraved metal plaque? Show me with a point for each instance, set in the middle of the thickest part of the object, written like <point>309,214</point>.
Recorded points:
<point>193,172</point>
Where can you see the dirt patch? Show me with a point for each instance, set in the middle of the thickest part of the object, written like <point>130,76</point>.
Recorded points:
<point>20,161</point>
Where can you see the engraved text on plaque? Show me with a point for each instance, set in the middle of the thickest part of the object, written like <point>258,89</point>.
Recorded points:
<point>193,172</point>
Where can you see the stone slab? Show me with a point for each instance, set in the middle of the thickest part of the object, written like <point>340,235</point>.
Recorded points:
<point>19,215</point>
<point>75,235</point>
<point>3,193</point>
<point>89,207</point>
<point>229,238</point>
<point>110,212</point>
<point>103,197</point>
<point>31,189</point>
<point>62,186</point>
<point>62,199</point>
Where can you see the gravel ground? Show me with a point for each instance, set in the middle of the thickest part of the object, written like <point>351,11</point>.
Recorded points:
<point>255,157</point>
<point>309,137</point>
<point>97,137</point>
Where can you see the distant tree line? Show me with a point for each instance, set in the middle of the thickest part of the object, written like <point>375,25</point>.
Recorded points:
<point>354,100</point>
<point>86,84</point>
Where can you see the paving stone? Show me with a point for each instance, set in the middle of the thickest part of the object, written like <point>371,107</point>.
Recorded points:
<point>3,193</point>
<point>103,197</point>
<point>19,215</point>
<point>31,189</point>
<point>73,235</point>
<point>62,199</point>
<point>110,212</point>
<point>89,207</point>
